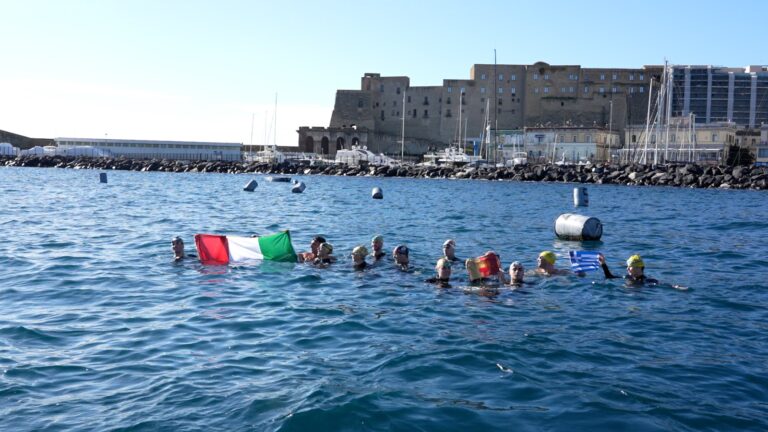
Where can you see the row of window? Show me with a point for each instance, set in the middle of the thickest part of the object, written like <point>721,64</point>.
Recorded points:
<point>147,145</point>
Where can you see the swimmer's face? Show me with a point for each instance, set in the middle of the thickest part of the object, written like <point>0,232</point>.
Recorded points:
<point>314,246</point>
<point>401,258</point>
<point>449,250</point>
<point>541,262</point>
<point>516,273</point>
<point>443,272</point>
<point>635,271</point>
<point>177,247</point>
<point>377,245</point>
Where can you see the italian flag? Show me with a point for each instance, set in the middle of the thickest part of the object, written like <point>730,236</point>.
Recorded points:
<point>220,250</point>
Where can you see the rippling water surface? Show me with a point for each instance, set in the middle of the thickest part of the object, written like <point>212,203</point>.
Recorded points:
<point>100,330</point>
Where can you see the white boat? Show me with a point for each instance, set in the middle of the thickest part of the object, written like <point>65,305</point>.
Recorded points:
<point>270,154</point>
<point>357,154</point>
<point>518,158</point>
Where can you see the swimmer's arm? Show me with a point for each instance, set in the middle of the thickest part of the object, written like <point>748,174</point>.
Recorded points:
<point>604,266</point>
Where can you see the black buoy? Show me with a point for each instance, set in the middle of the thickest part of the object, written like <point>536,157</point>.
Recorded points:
<point>298,187</point>
<point>103,177</point>
<point>376,193</point>
<point>250,186</point>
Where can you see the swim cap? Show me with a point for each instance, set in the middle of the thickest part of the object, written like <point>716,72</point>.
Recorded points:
<point>516,264</point>
<point>327,247</point>
<point>319,239</point>
<point>450,243</point>
<point>177,239</point>
<point>443,263</point>
<point>548,256</point>
<point>401,249</point>
<point>360,251</point>
<point>377,239</point>
<point>635,261</point>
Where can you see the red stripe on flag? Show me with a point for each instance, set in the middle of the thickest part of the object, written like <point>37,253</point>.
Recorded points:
<point>212,249</point>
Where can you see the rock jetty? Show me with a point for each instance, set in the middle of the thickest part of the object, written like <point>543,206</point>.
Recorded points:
<point>680,175</point>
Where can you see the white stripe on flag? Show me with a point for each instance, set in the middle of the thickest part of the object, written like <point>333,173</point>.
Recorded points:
<point>244,248</point>
<point>584,261</point>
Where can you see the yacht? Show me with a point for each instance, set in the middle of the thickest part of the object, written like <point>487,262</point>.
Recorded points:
<point>357,154</point>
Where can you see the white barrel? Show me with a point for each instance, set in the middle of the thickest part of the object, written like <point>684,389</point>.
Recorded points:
<point>298,187</point>
<point>570,226</point>
<point>103,177</point>
<point>250,186</point>
<point>376,193</point>
<point>580,196</point>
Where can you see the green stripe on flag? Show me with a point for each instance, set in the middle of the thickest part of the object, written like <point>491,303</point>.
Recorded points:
<point>278,247</point>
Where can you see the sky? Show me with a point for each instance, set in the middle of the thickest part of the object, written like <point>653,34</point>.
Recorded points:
<point>193,70</point>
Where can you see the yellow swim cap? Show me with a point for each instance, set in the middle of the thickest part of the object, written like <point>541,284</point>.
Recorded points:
<point>548,256</point>
<point>635,261</point>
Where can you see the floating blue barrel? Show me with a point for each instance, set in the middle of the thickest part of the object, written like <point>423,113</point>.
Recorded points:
<point>250,186</point>
<point>298,187</point>
<point>103,177</point>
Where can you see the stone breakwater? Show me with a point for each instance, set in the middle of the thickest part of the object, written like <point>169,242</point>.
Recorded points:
<point>681,175</point>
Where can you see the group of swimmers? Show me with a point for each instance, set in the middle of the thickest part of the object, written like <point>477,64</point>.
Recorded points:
<point>321,255</point>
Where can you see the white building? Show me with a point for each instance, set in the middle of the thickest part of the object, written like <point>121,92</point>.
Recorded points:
<point>761,155</point>
<point>145,149</point>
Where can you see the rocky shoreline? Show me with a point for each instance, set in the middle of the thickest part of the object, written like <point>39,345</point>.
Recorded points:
<point>687,175</point>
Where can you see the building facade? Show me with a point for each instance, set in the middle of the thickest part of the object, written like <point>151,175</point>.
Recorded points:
<point>683,141</point>
<point>504,96</point>
<point>144,149</point>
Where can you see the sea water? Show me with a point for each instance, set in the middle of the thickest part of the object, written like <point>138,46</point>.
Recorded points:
<point>101,330</point>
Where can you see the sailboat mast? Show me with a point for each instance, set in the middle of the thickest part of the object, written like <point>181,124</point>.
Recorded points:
<point>274,142</point>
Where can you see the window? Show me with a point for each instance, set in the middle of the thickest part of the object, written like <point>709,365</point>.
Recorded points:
<point>641,89</point>
<point>631,77</point>
<point>641,77</point>
<point>426,100</point>
<point>714,137</point>
<point>546,76</point>
<point>409,99</point>
<point>381,88</point>
<point>426,113</point>
<point>536,77</point>
<point>482,89</point>
<point>571,90</point>
<point>450,89</point>
<point>615,76</point>
<point>398,90</point>
<point>586,89</point>
<point>501,77</point>
<point>512,90</point>
<point>613,89</point>
<point>602,77</point>
<point>588,138</point>
<point>359,103</point>
<point>513,77</point>
<point>563,90</point>
<point>448,113</point>
<point>546,89</point>
<point>415,112</point>
<point>573,77</point>
<point>535,89</point>
<point>482,76</point>
<point>501,90</point>
<point>602,89</point>
<point>382,114</point>
<point>448,100</point>
<point>574,138</point>
<point>499,101</point>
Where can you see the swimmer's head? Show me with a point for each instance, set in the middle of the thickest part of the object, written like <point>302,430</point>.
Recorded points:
<point>377,242</point>
<point>359,252</point>
<point>449,248</point>
<point>400,254</point>
<point>443,268</point>
<point>177,246</point>
<point>516,272</point>
<point>326,249</point>
<point>547,256</point>
<point>315,245</point>
<point>635,266</point>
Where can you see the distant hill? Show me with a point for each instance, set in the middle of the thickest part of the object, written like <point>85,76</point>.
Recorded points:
<point>23,142</point>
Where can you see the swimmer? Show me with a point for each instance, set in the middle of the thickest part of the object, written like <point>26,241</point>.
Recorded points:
<point>324,256</point>
<point>516,275</point>
<point>177,246</point>
<point>635,271</point>
<point>545,265</point>
<point>449,250</point>
<point>443,269</point>
<point>358,258</point>
<point>377,244</point>
<point>400,255</point>
<point>314,247</point>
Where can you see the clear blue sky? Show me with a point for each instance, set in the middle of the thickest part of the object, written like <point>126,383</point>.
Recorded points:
<point>202,70</point>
